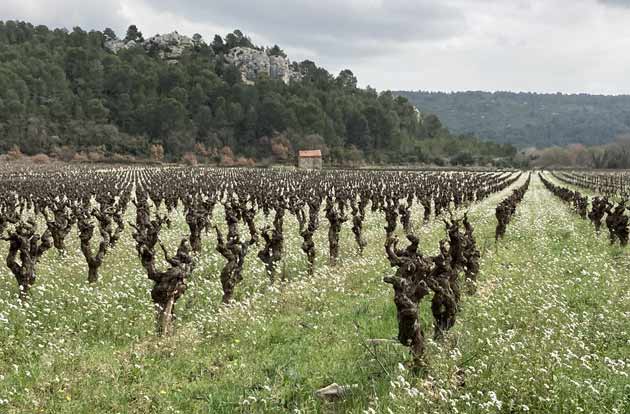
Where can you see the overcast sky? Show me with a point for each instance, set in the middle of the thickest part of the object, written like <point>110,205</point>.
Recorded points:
<point>568,46</point>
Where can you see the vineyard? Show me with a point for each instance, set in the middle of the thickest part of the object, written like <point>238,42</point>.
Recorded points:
<point>179,289</point>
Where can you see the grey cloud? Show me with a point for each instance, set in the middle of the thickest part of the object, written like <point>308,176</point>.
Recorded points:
<point>66,13</point>
<point>357,28</point>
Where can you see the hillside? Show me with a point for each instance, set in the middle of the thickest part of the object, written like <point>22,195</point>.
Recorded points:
<point>529,119</point>
<point>87,95</point>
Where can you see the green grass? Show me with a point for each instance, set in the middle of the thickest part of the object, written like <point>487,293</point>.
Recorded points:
<point>548,331</point>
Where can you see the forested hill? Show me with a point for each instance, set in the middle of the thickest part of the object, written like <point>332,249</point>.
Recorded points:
<point>529,119</point>
<point>73,93</point>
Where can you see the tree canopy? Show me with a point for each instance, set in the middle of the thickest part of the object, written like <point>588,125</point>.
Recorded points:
<point>530,119</point>
<point>64,89</point>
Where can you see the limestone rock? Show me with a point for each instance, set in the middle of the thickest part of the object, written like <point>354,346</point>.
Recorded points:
<point>116,45</point>
<point>279,68</point>
<point>252,63</point>
<point>335,391</point>
<point>170,46</point>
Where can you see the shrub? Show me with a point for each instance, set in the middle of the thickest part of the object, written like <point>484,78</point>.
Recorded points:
<point>80,157</point>
<point>40,158</point>
<point>156,152</point>
<point>245,162</point>
<point>95,156</point>
<point>14,153</point>
<point>189,159</point>
<point>463,158</point>
<point>64,153</point>
<point>120,158</point>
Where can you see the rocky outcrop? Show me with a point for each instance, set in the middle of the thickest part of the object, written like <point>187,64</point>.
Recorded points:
<point>170,46</point>
<point>252,63</point>
<point>279,68</point>
<point>116,45</point>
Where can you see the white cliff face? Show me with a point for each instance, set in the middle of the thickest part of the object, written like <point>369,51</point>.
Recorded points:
<point>116,45</point>
<point>252,63</point>
<point>170,46</point>
<point>279,68</point>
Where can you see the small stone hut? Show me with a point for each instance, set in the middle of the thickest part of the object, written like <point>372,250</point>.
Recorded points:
<point>310,159</point>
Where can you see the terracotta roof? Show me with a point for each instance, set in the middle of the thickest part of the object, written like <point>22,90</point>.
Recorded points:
<point>310,154</point>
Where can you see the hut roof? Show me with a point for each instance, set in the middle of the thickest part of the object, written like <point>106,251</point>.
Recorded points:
<point>310,154</point>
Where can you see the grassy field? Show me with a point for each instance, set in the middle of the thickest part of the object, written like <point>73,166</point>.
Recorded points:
<point>547,332</point>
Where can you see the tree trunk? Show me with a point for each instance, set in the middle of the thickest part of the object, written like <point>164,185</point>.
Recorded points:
<point>92,274</point>
<point>333,242</point>
<point>195,241</point>
<point>165,317</point>
<point>444,308</point>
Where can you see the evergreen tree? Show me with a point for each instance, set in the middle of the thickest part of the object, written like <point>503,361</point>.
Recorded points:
<point>133,34</point>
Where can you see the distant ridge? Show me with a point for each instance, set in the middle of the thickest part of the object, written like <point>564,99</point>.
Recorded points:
<point>527,119</point>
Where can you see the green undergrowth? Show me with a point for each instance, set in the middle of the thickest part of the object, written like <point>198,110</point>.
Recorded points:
<point>548,330</point>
